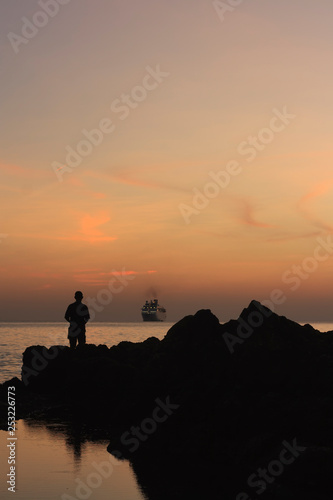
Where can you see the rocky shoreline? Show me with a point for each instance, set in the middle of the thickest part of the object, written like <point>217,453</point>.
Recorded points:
<point>240,410</point>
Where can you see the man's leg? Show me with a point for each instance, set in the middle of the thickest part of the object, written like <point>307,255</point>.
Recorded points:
<point>72,342</point>
<point>73,332</point>
<point>82,338</point>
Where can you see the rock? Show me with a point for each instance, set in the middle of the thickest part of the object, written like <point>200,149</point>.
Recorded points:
<point>203,408</point>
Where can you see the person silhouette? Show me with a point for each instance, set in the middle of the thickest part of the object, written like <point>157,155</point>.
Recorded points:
<point>77,315</point>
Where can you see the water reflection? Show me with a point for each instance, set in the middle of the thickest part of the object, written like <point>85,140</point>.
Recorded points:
<point>55,459</point>
<point>74,435</point>
<point>75,443</point>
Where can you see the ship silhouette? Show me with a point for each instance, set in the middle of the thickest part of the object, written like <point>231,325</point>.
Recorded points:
<point>152,311</point>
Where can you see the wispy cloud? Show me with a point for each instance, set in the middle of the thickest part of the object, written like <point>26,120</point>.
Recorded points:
<point>87,271</point>
<point>130,179</point>
<point>127,273</point>
<point>43,275</point>
<point>89,239</point>
<point>317,192</point>
<point>23,172</point>
<point>319,189</point>
<point>291,237</point>
<point>88,229</point>
<point>89,280</point>
<point>101,278</point>
<point>46,286</point>
<point>83,188</point>
<point>247,215</point>
<point>10,189</point>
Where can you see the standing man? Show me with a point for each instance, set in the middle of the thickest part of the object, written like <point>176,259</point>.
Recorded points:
<point>77,315</point>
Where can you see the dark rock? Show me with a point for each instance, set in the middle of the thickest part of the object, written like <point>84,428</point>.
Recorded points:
<point>200,411</point>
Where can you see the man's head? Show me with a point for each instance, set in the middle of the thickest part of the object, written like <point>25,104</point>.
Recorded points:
<point>78,296</point>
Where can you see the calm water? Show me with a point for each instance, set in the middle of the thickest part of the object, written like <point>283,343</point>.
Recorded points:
<point>53,462</point>
<point>15,337</point>
<point>50,466</point>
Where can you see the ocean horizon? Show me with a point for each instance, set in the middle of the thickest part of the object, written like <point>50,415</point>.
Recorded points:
<point>36,438</point>
<point>75,456</point>
<point>16,337</point>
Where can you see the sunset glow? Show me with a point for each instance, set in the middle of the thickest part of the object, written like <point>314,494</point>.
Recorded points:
<point>157,142</point>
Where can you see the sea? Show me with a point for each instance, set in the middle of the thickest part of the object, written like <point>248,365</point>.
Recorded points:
<point>16,337</point>
<point>51,462</point>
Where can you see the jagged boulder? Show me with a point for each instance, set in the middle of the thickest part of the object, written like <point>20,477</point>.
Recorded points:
<point>232,394</point>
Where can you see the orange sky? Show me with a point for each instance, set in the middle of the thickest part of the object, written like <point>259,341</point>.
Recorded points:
<point>118,120</point>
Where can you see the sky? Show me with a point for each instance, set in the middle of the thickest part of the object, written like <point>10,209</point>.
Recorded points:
<point>171,149</point>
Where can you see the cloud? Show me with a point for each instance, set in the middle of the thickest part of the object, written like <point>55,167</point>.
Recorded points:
<point>89,239</point>
<point>247,216</point>
<point>24,180</point>
<point>90,227</point>
<point>291,237</point>
<point>127,273</point>
<point>87,271</point>
<point>19,172</point>
<point>151,184</point>
<point>43,275</point>
<point>318,191</point>
<point>101,278</point>
<point>75,237</point>
<point>77,182</point>
<point>46,286</point>
<point>10,189</point>
<point>128,179</point>
<point>88,230</point>
<point>89,280</point>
